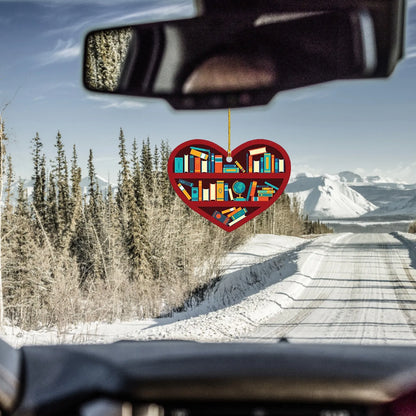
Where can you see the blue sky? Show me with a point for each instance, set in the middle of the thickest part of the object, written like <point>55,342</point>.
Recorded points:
<point>365,126</point>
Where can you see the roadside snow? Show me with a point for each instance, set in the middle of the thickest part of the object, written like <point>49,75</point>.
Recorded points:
<point>238,301</point>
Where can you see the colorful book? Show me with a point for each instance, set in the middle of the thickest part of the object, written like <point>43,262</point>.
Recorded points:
<point>184,191</point>
<point>226,211</point>
<point>212,191</point>
<point>238,214</point>
<point>252,191</point>
<point>239,166</point>
<point>249,191</point>
<point>230,214</point>
<point>235,221</point>
<point>220,217</point>
<point>191,164</point>
<point>218,164</point>
<point>199,154</point>
<point>186,163</point>
<point>272,164</point>
<point>250,164</point>
<point>267,163</point>
<point>271,185</point>
<point>226,192</point>
<point>212,164</point>
<point>258,151</point>
<point>197,165</point>
<point>199,190</point>
<point>178,168</point>
<point>220,190</point>
<point>184,182</point>
<point>205,194</point>
<point>261,164</point>
<point>200,149</point>
<point>194,193</point>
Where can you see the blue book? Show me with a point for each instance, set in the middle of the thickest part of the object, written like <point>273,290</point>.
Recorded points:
<point>226,192</point>
<point>178,165</point>
<point>276,165</point>
<point>249,190</point>
<point>271,185</point>
<point>239,214</point>
<point>200,149</point>
<point>262,164</point>
<point>191,163</point>
<point>184,182</point>
<point>212,165</point>
<point>194,193</point>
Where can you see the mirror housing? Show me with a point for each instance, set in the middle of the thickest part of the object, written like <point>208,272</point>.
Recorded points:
<point>239,53</point>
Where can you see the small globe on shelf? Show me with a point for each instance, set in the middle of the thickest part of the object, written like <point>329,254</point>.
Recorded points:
<point>239,188</point>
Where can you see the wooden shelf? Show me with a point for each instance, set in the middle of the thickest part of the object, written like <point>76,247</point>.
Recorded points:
<point>224,176</point>
<point>227,204</point>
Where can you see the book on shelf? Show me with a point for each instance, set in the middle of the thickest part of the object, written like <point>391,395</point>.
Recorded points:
<point>194,193</point>
<point>234,212</point>
<point>187,183</point>
<point>238,164</point>
<point>272,163</point>
<point>199,190</point>
<point>221,217</point>
<point>238,213</point>
<point>198,153</point>
<point>257,151</point>
<point>218,164</point>
<point>184,191</point>
<point>205,194</point>
<point>267,163</point>
<point>212,191</point>
<point>191,164</point>
<point>204,166</point>
<point>197,165</point>
<point>256,166</point>
<point>178,165</point>
<point>220,190</point>
<point>236,220</point>
<point>271,185</point>
<point>226,191</point>
<point>186,163</point>
<point>228,210</point>
<point>230,193</point>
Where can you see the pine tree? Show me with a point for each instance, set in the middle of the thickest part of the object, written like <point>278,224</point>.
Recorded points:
<point>63,196</point>
<point>146,162</point>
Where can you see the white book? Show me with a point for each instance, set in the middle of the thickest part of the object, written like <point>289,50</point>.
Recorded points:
<point>238,219</point>
<point>205,194</point>
<point>230,192</point>
<point>281,165</point>
<point>186,163</point>
<point>212,191</point>
<point>256,166</point>
<point>204,166</point>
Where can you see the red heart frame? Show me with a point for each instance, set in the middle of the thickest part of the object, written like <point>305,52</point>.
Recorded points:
<point>207,208</point>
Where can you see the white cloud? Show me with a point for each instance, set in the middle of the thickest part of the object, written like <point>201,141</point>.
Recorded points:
<point>63,51</point>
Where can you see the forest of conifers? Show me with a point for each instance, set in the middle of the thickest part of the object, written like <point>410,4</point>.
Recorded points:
<point>133,251</point>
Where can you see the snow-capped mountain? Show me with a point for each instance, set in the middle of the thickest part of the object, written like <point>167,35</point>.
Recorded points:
<point>328,197</point>
<point>349,195</point>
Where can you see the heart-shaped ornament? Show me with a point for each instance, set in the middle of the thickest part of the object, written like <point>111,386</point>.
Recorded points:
<point>229,192</point>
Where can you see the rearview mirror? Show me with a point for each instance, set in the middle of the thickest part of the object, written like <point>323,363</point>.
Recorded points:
<point>243,59</point>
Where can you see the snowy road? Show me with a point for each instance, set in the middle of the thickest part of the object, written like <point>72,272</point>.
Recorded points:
<point>342,288</point>
<point>360,288</point>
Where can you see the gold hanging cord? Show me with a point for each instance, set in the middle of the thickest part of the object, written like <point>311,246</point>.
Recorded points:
<point>229,135</point>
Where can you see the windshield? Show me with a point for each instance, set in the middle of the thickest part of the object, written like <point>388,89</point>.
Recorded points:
<point>96,246</point>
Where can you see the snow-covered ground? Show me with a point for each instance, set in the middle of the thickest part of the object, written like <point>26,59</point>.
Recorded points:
<point>263,260</point>
<point>357,288</point>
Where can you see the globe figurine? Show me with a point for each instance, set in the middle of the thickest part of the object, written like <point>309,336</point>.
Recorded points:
<point>239,188</point>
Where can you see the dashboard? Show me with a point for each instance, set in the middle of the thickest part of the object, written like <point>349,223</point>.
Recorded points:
<point>176,378</point>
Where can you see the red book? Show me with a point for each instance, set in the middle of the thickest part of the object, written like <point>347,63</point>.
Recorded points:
<point>263,198</point>
<point>272,163</point>
<point>250,164</point>
<point>197,165</point>
<point>218,164</point>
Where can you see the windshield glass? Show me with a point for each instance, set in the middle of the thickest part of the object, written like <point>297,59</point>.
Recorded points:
<point>96,246</point>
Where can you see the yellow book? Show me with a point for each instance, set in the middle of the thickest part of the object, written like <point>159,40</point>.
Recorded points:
<point>226,211</point>
<point>220,190</point>
<point>197,153</point>
<point>185,192</point>
<point>199,190</point>
<point>239,166</point>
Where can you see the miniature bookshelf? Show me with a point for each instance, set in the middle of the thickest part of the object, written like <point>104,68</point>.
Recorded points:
<point>208,183</point>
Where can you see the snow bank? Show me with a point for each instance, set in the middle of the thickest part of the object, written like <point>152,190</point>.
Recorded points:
<point>230,307</point>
